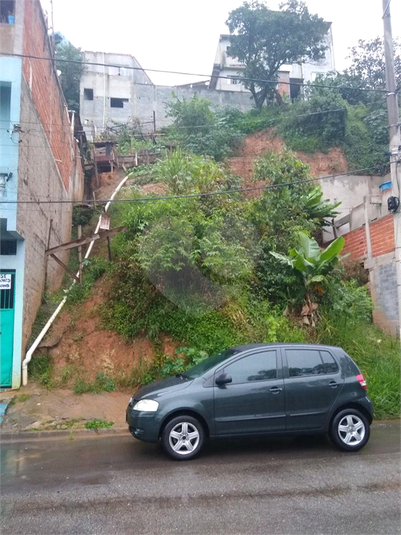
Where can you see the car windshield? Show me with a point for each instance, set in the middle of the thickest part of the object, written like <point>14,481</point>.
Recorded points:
<point>209,363</point>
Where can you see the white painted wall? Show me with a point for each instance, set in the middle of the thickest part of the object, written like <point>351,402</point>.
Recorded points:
<point>351,191</point>
<point>307,71</point>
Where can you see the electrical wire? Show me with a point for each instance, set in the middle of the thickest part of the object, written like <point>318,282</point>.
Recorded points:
<point>82,131</point>
<point>196,195</point>
<point>245,79</point>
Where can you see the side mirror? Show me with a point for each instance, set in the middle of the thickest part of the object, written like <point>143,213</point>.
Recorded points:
<point>223,379</point>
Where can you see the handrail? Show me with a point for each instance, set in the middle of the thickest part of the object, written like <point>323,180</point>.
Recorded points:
<point>42,333</point>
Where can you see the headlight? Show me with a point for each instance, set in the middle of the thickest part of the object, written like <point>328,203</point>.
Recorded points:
<point>146,405</point>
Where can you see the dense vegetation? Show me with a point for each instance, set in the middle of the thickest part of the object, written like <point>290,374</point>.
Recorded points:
<point>200,269</point>
<point>263,40</point>
<point>215,267</point>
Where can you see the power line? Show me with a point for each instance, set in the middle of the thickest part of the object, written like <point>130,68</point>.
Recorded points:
<point>210,126</point>
<point>198,195</point>
<point>254,80</point>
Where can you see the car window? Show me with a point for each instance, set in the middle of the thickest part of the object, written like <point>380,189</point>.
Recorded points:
<point>256,367</point>
<point>303,362</point>
<point>329,364</point>
<point>210,362</point>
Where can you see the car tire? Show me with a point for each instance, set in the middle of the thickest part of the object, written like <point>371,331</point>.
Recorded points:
<point>350,430</point>
<point>183,437</point>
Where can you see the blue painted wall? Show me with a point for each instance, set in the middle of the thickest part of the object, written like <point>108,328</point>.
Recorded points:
<point>10,102</point>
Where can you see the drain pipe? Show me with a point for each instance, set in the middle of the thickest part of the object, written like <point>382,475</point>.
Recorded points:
<point>42,333</point>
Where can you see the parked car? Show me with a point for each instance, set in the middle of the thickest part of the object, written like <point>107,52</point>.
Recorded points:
<point>258,389</point>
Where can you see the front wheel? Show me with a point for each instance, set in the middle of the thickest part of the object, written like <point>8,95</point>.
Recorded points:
<point>350,430</point>
<point>183,437</point>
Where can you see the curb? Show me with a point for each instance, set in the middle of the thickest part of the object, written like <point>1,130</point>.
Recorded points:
<point>19,436</point>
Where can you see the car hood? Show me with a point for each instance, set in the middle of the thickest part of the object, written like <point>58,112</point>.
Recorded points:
<point>162,387</point>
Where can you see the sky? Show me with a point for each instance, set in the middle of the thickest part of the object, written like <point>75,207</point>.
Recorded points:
<point>182,35</point>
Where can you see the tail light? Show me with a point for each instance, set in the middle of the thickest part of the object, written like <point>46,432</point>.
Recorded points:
<point>362,380</point>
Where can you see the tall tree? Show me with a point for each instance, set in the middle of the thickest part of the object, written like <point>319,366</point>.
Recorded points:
<point>264,40</point>
<point>368,64</point>
<point>71,67</point>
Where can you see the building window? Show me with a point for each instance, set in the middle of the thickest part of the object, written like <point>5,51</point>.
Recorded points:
<point>233,80</point>
<point>88,94</point>
<point>117,102</point>
<point>8,247</point>
<point>295,87</point>
<point>7,11</point>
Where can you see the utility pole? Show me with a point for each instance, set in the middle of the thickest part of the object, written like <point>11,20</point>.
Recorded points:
<point>395,145</point>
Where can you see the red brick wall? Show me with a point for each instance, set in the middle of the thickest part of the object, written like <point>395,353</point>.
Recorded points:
<point>46,93</point>
<point>381,237</point>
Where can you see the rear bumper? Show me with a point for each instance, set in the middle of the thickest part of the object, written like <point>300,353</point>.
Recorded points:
<point>367,404</point>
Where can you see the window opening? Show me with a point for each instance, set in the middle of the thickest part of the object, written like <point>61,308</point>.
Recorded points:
<point>295,87</point>
<point>117,102</point>
<point>8,247</point>
<point>7,11</point>
<point>88,94</point>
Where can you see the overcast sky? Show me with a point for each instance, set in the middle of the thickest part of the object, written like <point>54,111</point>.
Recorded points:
<point>182,35</point>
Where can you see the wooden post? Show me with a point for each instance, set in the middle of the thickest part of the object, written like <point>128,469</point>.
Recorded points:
<point>80,253</point>
<point>48,246</point>
<point>108,248</point>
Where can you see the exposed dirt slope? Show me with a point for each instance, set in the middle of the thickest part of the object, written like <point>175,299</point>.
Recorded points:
<point>79,343</point>
<point>259,143</point>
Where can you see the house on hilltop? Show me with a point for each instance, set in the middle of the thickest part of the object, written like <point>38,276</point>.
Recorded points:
<point>109,90</point>
<point>40,168</point>
<point>227,69</point>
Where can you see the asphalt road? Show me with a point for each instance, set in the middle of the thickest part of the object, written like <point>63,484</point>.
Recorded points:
<point>117,485</point>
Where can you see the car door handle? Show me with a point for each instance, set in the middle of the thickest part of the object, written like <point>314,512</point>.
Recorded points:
<point>333,384</point>
<point>275,389</point>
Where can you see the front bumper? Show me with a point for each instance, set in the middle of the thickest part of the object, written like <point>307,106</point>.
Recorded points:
<point>143,425</point>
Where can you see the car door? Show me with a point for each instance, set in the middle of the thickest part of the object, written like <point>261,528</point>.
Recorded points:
<point>253,402</point>
<point>312,384</point>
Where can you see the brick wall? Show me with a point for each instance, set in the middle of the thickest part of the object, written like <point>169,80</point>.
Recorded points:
<point>381,237</point>
<point>38,179</point>
<point>355,243</point>
<point>45,89</point>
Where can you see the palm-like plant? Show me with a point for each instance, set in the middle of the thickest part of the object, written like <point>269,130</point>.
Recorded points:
<point>317,208</point>
<point>314,265</point>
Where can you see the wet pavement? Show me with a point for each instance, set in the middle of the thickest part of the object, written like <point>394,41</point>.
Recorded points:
<point>115,484</point>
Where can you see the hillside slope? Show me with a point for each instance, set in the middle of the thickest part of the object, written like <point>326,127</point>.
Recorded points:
<point>259,143</point>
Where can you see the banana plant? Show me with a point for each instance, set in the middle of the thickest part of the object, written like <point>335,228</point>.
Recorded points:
<point>314,265</point>
<point>320,209</point>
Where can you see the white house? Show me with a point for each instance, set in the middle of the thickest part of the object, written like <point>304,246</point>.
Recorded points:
<point>226,69</point>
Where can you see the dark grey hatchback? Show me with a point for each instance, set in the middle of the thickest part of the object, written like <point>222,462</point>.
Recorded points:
<point>258,389</point>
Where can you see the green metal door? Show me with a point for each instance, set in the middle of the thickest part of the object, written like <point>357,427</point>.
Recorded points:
<point>7,288</point>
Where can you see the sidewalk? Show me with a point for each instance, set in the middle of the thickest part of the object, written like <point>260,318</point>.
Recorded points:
<point>34,409</point>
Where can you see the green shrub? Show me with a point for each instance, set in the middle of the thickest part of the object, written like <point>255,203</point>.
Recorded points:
<point>196,128</point>
<point>377,354</point>
<point>97,423</point>
<point>102,383</point>
<point>41,369</point>
<point>94,268</point>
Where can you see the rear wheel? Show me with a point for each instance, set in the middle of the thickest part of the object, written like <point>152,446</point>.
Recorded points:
<point>183,437</point>
<point>350,430</point>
